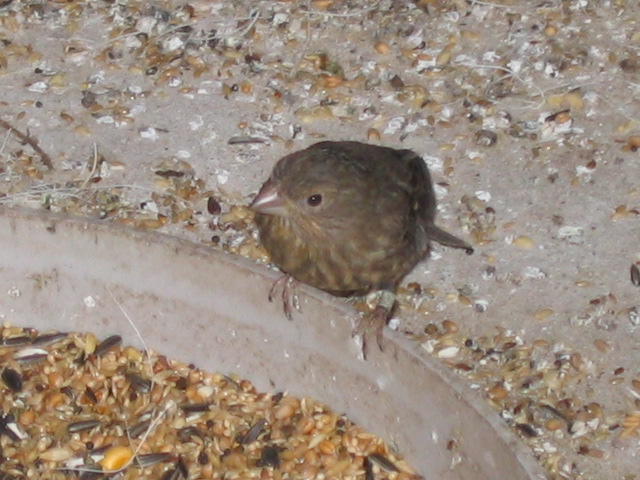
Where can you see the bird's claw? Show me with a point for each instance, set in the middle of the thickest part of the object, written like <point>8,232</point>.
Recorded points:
<point>289,294</point>
<point>372,324</point>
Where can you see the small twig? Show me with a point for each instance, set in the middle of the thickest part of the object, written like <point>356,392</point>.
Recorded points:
<point>494,5</point>
<point>357,13</point>
<point>40,190</point>
<point>304,48</point>
<point>94,166</point>
<point>156,421</point>
<point>254,15</point>
<point>618,109</point>
<point>4,142</point>
<point>509,72</point>
<point>137,331</point>
<point>46,159</point>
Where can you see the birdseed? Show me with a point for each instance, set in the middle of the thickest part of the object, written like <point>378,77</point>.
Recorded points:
<point>90,409</point>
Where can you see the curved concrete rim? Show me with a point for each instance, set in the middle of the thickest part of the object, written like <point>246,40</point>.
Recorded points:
<point>210,308</point>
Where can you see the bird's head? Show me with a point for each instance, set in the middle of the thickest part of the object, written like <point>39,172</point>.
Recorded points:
<point>306,191</point>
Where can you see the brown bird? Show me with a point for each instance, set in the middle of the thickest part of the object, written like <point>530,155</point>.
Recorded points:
<point>349,218</point>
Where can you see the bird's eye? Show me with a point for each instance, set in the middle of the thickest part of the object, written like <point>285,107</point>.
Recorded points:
<point>314,200</point>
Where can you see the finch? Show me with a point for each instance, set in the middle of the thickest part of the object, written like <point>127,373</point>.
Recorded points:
<point>350,218</point>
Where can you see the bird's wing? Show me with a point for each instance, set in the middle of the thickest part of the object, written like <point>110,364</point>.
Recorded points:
<point>420,187</point>
<point>424,205</point>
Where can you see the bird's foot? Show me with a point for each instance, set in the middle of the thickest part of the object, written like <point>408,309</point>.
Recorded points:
<point>371,326</point>
<point>289,294</point>
<point>373,323</point>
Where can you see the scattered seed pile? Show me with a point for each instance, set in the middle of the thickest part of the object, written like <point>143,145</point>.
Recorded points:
<point>74,407</point>
<point>165,115</point>
<point>528,384</point>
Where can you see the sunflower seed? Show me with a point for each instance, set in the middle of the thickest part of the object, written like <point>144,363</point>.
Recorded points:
<point>148,459</point>
<point>182,468</point>
<point>91,474</point>
<point>16,341</point>
<point>139,428</point>
<point>173,474</point>
<point>139,384</point>
<point>83,425</point>
<point>107,344</point>
<point>49,338</point>
<point>368,470</point>
<point>30,355</point>
<point>12,379</point>
<point>9,427</point>
<point>253,433</point>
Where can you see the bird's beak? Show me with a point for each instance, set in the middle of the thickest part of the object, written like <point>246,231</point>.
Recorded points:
<point>268,200</point>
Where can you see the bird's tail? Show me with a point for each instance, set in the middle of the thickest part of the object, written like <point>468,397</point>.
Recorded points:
<point>444,238</point>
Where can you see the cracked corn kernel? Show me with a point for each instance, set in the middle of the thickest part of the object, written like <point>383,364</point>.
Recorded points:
<point>115,458</point>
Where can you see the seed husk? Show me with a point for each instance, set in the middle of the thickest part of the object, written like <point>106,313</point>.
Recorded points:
<point>186,433</point>
<point>213,206</point>
<point>383,462</point>
<point>169,173</point>
<point>240,140</point>
<point>555,412</point>
<point>527,429</point>
<point>195,407</point>
<point>635,275</point>
<point>90,395</point>
<point>524,242</point>
<point>203,458</point>
<point>270,457</point>
<point>173,474</point>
